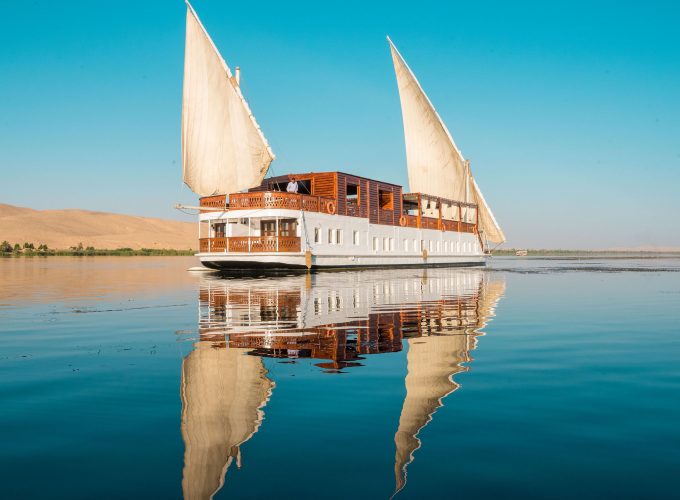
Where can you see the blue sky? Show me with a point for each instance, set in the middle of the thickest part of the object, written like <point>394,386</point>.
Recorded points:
<point>568,111</point>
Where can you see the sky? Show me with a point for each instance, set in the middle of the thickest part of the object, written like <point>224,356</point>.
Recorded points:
<point>569,112</point>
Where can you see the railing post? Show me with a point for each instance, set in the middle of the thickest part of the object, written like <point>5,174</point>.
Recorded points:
<point>460,216</point>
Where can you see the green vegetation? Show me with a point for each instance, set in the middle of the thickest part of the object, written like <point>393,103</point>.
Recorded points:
<point>30,250</point>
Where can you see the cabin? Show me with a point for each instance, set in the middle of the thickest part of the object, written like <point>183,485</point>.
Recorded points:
<point>333,193</point>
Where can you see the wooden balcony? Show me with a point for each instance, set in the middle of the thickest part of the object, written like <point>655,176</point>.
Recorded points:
<point>216,203</point>
<point>276,199</point>
<point>249,244</point>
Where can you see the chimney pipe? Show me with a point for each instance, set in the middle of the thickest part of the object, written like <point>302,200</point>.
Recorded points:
<point>237,75</point>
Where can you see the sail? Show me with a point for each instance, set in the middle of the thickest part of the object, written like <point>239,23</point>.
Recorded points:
<point>435,164</point>
<point>223,148</point>
<point>223,391</point>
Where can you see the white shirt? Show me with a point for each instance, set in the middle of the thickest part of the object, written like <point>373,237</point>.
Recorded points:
<point>292,187</point>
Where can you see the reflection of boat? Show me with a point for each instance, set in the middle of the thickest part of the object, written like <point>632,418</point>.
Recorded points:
<point>321,219</point>
<point>337,318</point>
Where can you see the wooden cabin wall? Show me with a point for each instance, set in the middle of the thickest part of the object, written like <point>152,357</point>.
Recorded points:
<point>375,214</point>
<point>325,184</point>
<point>343,181</point>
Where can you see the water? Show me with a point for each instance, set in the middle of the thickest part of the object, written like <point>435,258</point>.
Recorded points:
<point>129,377</point>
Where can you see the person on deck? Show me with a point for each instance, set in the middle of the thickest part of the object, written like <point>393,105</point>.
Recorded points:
<point>292,186</point>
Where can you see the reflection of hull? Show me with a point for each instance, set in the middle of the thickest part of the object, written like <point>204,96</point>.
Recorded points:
<point>245,261</point>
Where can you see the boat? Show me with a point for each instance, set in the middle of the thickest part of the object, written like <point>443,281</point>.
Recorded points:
<point>330,219</point>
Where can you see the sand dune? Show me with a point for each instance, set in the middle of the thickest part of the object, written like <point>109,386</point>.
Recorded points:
<point>61,229</point>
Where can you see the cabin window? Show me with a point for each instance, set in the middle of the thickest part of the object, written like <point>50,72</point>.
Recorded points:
<point>457,246</point>
<point>219,229</point>
<point>287,227</point>
<point>405,245</point>
<point>352,199</point>
<point>338,236</point>
<point>268,228</point>
<point>375,243</point>
<point>331,237</point>
<point>439,247</point>
<point>317,235</point>
<point>386,244</point>
<point>355,237</point>
<point>392,244</point>
<point>415,245</point>
<point>385,200</point>
<point>431,245</point>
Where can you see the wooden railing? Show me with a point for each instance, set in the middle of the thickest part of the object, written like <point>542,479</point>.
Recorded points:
<point>429,223</point>
<point>411,221</point>
<point>218,203</point>
<point>308,203</point>
<point>246,244</point>
<point>275,199</point>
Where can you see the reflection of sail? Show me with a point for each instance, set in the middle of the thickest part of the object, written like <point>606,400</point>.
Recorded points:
<point>431,364</point>
<point>223,391</point>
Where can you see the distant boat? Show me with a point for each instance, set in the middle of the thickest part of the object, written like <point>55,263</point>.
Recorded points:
<point>522,253</point>
<point>322,219</point>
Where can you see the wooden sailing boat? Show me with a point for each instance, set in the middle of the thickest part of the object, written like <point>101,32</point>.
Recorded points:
<point>331,219</point>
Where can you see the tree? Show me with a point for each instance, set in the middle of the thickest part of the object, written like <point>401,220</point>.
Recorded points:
<point>17,248</point>
<point>29,245</point>
<point>5,247</point>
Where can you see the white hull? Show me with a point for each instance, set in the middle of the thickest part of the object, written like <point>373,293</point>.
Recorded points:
<point>337,241</point>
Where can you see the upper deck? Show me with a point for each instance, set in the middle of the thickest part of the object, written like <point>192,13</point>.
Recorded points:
<point>349,195</point>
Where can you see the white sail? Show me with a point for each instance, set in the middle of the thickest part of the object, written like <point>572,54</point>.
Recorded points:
<point>223,148</point>
<point>435,164</point>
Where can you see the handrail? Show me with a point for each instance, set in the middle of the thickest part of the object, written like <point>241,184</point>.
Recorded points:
<point>246,244</point>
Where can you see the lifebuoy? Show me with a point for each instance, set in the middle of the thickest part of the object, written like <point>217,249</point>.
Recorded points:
<point>402,220</point>
<point>330,207</point>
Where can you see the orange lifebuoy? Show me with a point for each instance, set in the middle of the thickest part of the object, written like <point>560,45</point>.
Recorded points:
<point>402,220</point>
<point>330,207</point>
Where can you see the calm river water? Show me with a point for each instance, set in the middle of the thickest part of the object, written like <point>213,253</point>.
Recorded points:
<point>533,378</point>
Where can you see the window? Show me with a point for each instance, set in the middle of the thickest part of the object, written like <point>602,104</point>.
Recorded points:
<point>385,200</point>
<point>439,247</point>
<point>219,229</point>
<point>375,244</point>
<point>338,236</point>
<point>268,228</point>
<point>386,243</point>
<point>355,237</point>
<point>422,245</point>
<point>405,245</point>
<point>352,199</point>
<point>431,245</point>
<point>392,244</point>
<point>287,227</point>
<point>331,234</point>
<point>317,235</point>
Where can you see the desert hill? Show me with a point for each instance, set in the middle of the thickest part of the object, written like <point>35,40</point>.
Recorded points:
<point>62,229</point>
